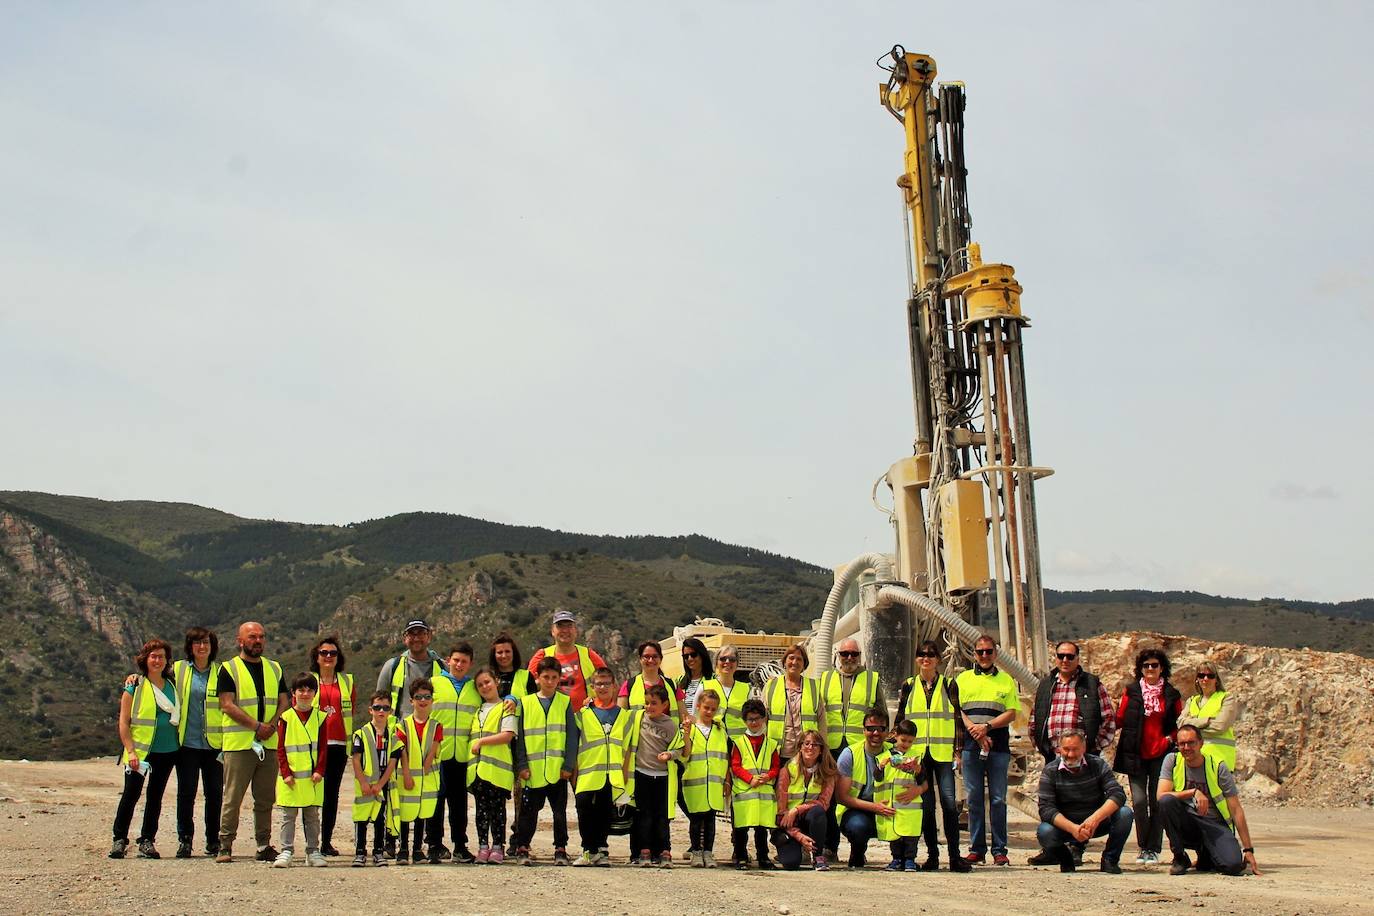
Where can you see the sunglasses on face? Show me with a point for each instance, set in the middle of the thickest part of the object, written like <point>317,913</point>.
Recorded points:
<point>422,697</point>
<point>328,653</point>
<point>984,651</point>
<point>1149,665</point>
<point>379,708</point>
<point>875,728</point>
<point>689,655</point>
<point>1066,656</point>
<point>726,660</point>
<point>927,654</point>
<point>849,655</point>
<point>1206,675</point>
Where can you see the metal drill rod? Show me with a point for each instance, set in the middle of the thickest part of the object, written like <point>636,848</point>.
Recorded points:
<point>994,500</point>
<point>1005,434</point>
<point>1039,631</point>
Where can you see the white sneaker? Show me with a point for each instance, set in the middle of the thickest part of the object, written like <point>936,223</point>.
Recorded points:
<point>283,859</point>
<point>316,860</point>
<point>584,860</point>
<point>1152,858</point>
<point>1142,858</point>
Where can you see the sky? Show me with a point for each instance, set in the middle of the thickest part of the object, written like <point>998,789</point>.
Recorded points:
<point>638,268</point>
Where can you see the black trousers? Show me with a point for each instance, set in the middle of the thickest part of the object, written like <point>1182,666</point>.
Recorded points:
<point>335,763</point>
<point>651,816</point>
<point>594,811</point>
<point>199,766</point>
<point>739,836</point>
<point>378,831</point>
<point>453,795</point>
<point>941,776</point>
<point>161,766</point>
<point>701,828</point>
<point>531,803</point>
<point>811,823</point>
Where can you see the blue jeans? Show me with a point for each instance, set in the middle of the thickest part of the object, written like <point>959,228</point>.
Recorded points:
<point>993,769</point>
<point>1117,827</point>
<point>858,828</point>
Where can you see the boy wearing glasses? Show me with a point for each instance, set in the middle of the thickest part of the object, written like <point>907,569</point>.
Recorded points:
<point>988,701</point>
<point>376,750</point>
<point>420,769</point>
<point>754,764</point>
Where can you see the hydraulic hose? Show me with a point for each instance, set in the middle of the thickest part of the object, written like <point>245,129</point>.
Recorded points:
<point>823,647</point>
<point>966,632</point>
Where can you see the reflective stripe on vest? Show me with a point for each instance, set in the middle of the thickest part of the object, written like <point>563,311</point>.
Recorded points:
<point>635,695</point>
<point>214,722</point>
<point>810,789</point>
<point>703,778</point>
<point>754,807</point>
<point>858,773</point>
<point>731,705</point>
<point>365,807</point>
<point>345,682</point>
<point>584,662</point>
<point>775,698</point>
<point>1221,745</point>
<point>240,737</point>
<point>934,724</point>
<point>494,761</point>
<point>1209,767</point>
<point>545,738</point>
<point>983,697</point>
<point>907,821</point>
<point>844,723</point>
<point>466,702</point>
<point>417,802</point>
<point>599,753</point>
<point>142,720</point>
<point>630,739</point>
<point>302,755</point>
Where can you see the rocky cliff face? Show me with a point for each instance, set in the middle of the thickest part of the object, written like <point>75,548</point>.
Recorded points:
<point>1306,733</point>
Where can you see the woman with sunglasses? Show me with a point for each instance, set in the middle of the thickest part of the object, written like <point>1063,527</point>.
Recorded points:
<point>650,673</point>
<point>696,672</point>
<point>732,693</point>
<point>337,697</point>
<point>1212,711</point>
<point>1148,714</point>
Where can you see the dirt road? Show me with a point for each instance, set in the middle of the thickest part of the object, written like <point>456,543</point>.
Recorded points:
<point>57,832</point>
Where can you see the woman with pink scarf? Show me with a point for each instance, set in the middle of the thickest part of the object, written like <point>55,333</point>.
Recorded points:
<point>1148,716</point>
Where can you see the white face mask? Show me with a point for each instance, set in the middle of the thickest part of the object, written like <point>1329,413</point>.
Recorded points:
<point>754,732</point>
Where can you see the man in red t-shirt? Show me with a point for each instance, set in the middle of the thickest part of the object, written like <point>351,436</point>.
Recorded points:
<point>577,662</point>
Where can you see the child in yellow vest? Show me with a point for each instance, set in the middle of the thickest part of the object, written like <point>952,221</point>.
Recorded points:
<point>301,757</point>
<point>900,783</point>
<point>491,771</point>
<point>652,741</point>
<point>707,756</point>
<point>376,753</point>
<point>420,780</point>
<point>754,764</point>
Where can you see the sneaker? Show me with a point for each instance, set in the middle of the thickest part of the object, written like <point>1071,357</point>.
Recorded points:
<point>360,860</point>
<point>767,865</point>
<point>708,858</point>
<point>266,854</point>
<point>523,857</point>
<point>118,849</point>
<point>821,865</point>
<point>1109,867</point>
<point>316,860</point>
<point>460,856</point>
<point>895,865</point>
<point>146,850</point>
<point>1143,858</point>
<point>910,865</point>
<point>1152,858</point>
<point>328,850</point>
<point>498,855</point>
<point>1179,866</point>
<point>444,852</point>
<point>602,859</point>
<point>645,861</point>
<point>586,860</point>
<point>283,859</point>
<point>560,857</point>
<point>1043,857</point>
<point>1001,859</point>
<point>974,858</point>
<point>857,862</point>
<point>932,863</point>
<point>380,860</point>
<point>664,861</point>
<point>435,857</point>
<point>402,857</point>
<point>960,864</point>
<point>211,850</point>
<point>482,853</point>
<point>184,849</point>
<point>741,864</point>
<point>225,855</point>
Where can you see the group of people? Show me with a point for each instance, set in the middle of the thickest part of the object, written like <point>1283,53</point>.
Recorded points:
<point>808,762</point>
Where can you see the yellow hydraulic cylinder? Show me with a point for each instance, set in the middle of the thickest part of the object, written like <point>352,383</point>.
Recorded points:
<point>964,536</point>
<point>990,290</point>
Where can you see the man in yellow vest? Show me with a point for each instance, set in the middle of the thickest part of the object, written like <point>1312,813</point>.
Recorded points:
<point>855,783</point>
<point>1201,809</point>
<point>931,701</point>
<point>988,701</point>
<point>847,692</point>
<point>252,698</point>
<point>576,662</point>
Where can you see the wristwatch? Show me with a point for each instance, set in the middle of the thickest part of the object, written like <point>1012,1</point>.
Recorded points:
<point>1249,849</point>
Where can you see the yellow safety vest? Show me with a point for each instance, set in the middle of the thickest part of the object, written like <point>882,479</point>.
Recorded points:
<point>584,661</point>
<point>703,778</point>
<point>238,737</point>
<point>891,783</point>
<point>731,705</point>
<point>495,763</point>
<point>844,724</point>
<point>466,702</point>
<point>302,754</point>
<point>214,719</point>
<point>754,807</point>
<point>810,789</point>
<point>635,695</point>
<point>142,720</point>
<point>630,741</point>
<point>984,697</point>
<point>934,723</point>
<point>775,698</point>
<point>1209,767</point>
<point>600,755</point>
<point>445,707</point>
<point>1221,745</point>
<point>546,737</point>
<point>365,807</point>
<point>858,774</point>
<point>345,682</point>
<point>418,802</point>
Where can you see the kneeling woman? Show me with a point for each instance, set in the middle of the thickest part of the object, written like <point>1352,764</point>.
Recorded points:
<point>148,718</point>
<point>804,789</point>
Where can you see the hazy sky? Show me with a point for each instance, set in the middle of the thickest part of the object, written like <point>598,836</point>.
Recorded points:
<point>608,268</point>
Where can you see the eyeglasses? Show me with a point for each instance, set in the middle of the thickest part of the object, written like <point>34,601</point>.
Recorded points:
<point>875,728</point>
<point>328,653</point>
<point>1149,665</point>
<point>726,660</point>
<point>1066,656</point>
<point>927,654</point>
<point>810,744</point>
<point>378,708</point>
<point>201,642</point>
<point>651,658</point>
<point>754,720</point>
<point>984,651</point>
<point>1208,675</point>
<point>422,697</point>
<point>849,655</point>
<point>689,655</point>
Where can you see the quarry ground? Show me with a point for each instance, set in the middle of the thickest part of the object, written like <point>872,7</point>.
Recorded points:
<point>57,831</point>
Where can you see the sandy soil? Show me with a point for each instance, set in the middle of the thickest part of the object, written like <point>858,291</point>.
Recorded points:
<point>57,819</point>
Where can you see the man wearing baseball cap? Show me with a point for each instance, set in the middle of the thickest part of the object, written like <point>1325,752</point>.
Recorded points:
<point>577,662</point>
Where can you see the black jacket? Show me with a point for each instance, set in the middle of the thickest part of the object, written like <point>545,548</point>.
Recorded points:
<point>1132,724</point>
<point>1089,711</point>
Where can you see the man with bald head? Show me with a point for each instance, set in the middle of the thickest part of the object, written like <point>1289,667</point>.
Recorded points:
<point>848,692</point>
<point>252,698</point>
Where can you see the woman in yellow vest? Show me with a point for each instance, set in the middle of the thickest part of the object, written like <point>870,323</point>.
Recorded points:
<point>706,752</point>
<point>732,693</point>
<point>420,768</point>
<point>301,760</point>
<point>650,675</point>
<point>376,755</point>
<point>337,696</point>
<point>148,720</point>
<point>899,784</point>
<point>1213,711</point>
<point>199,731</point>
<point>794,703</point>
<point>491,769</point>
<point>804,789</point>
<point>754,766</point>
<point>514,679</point>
